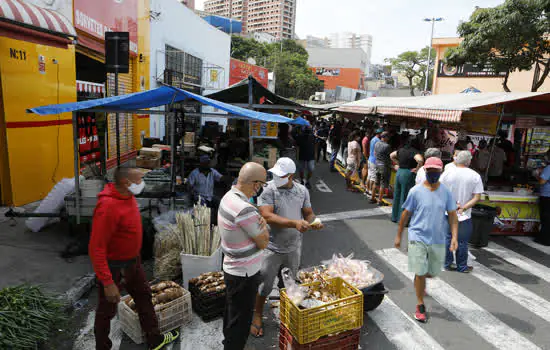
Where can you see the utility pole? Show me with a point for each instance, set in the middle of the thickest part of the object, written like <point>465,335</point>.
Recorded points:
<point>433,20</point>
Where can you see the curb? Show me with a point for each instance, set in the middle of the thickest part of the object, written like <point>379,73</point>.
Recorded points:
<point>81,286</point>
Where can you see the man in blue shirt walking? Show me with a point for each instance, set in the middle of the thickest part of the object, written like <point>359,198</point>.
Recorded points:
<point>426,206</point>
<point>371,177</point>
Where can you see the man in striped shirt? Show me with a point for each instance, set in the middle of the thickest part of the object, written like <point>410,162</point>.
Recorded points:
<point>244,237</point>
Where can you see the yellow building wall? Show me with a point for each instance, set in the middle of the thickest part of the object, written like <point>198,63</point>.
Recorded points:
<point>38,156</point>
<point>518,81</point>
<point>142,81</point>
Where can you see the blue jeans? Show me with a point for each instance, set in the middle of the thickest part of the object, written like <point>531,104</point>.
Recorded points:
<point>465,229</point>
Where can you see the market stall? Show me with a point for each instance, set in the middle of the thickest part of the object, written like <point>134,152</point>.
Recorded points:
<point>139,103</point>
<point>524,118</point>
<point>262,136</point>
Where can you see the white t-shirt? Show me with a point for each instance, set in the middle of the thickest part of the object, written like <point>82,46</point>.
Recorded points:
<point>354,148</point>
<point>420,176</point>
<point>497,162</point>
<point>450,166</point>
<point>464,183</point>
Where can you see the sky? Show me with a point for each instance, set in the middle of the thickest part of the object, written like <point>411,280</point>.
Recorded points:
<point>396,25</point>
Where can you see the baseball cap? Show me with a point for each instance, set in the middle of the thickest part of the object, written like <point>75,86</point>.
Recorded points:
<point>379,131</point>
<point>433,163</point>
<point>283,167</point>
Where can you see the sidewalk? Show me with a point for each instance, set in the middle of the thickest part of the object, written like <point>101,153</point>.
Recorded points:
<point>27,257</point>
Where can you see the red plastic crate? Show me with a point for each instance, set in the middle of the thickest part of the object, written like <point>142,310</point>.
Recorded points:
<point>348,340</point>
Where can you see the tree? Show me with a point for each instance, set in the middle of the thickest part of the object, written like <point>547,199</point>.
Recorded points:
<point>287,59</point>
<point>422,77</point>
<point>506,38</point>
<point>410,64</point>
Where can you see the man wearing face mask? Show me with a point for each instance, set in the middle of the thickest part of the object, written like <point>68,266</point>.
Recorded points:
<point>286,207</point>
<point>244,237</point>
<point>427,204</point>
<point>114,249</point>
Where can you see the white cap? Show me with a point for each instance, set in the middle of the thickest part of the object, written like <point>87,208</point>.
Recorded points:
<point>283,167</point>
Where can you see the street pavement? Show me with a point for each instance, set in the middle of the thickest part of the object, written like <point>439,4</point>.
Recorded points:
<point>503,304</point>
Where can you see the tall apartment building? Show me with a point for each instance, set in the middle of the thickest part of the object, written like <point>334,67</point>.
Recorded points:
<point>275,17</point>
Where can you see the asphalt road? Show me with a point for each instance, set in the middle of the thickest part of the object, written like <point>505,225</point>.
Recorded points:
<point>503,304</point>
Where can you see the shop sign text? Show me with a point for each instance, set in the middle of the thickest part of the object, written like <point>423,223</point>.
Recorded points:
<point>18,54</point>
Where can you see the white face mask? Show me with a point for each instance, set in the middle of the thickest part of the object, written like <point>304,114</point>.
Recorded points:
<point>137,188</point>
<point>279,181</point>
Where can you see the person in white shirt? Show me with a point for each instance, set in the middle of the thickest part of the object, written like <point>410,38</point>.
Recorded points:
<point>421,173</point>
<point>466,186</point>
<point>452,165</point>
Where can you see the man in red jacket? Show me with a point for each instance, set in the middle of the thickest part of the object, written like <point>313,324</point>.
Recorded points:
<point>114,249</point>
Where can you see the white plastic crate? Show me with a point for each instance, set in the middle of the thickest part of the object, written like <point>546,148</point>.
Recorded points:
<point>194,265</point>
<point>171,316</point>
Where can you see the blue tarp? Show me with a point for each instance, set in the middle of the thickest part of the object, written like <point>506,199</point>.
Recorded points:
<point>229,26</point>
<point>300,121</point>
<point>161,96</point>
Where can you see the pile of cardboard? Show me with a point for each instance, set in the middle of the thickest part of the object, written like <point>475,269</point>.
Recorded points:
<point>149,158</point>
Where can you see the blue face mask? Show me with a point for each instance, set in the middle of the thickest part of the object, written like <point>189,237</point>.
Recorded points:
<point>433,178</point>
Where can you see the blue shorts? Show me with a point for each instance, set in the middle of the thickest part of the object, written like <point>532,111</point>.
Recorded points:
<point>308,165</point>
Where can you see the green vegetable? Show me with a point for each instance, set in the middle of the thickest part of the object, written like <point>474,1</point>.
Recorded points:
<point>27,317</point>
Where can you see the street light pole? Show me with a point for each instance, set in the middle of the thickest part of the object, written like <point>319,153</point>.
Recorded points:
<point>433,20</point>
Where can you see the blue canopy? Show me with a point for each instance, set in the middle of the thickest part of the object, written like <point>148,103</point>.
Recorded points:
<point>161,96</point>
<point>470,90</point>
<point>300,121</point>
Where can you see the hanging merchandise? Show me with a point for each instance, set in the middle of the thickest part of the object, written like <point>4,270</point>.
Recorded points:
<point>84,142</point>
<point>95,136</point>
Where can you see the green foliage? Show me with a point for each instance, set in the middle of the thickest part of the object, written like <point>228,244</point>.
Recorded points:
<point>412,64</point>
<point>509,37</point>
<point>27,317</point>
<point>293,78</point>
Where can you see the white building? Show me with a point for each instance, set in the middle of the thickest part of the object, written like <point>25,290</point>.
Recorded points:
<point>262,37</point>
<point>186,52</point>
<point>349,40</point>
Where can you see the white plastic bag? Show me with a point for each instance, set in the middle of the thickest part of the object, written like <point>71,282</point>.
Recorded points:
<point>295,292</point>
<point>53,203</point>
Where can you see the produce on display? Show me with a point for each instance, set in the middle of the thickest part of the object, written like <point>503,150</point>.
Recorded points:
<point>210,282</point>
<point>27,316</point>
<point>357,272</point>
<point>189,232</point>
<point>163,293</point>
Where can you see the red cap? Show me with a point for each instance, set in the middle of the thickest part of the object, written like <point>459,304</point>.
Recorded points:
<point>433,163</point>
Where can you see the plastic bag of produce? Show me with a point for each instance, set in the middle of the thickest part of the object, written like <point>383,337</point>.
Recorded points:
<point>295,292</point>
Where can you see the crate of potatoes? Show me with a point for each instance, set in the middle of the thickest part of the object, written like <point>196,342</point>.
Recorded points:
<point>208,295</point>
<point>172,305</point>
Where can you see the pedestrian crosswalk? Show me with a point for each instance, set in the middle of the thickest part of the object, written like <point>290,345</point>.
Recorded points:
<point>482,322</point>
<point>504,303</point>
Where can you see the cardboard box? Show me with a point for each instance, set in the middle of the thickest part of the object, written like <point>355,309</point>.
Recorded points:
<point>148,162</point>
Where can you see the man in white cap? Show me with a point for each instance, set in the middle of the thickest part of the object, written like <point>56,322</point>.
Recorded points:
<point>286,207</point>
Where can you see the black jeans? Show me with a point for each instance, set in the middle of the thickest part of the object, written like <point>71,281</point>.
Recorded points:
<point>544,234</point>
<point>239,309</point>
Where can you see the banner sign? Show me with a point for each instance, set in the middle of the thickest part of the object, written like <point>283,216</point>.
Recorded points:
<point>467,71</point>
<point>100,16</point>
<point>240,70</point>
<point>264,130</point>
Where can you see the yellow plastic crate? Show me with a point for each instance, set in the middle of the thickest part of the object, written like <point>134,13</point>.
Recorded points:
<point>308,325</point>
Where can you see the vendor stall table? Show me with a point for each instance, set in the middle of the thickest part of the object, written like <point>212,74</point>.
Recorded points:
<point>519,213</point>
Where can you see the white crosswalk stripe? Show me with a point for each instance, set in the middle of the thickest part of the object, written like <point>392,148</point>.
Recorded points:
<point>470,313</point>
<point>528,241</point>
<point>512,290</point>
<point>520,261</point>
<point>404,332</point>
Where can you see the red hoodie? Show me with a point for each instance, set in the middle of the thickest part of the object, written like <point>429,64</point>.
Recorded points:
<point>116,231</point>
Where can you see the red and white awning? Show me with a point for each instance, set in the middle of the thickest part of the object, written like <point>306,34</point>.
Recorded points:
<point>86,86</point>
<point>27,14</point>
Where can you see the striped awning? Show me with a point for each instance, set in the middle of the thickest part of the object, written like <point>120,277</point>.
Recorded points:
<point>442,115</point>
<point>26,14</point>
